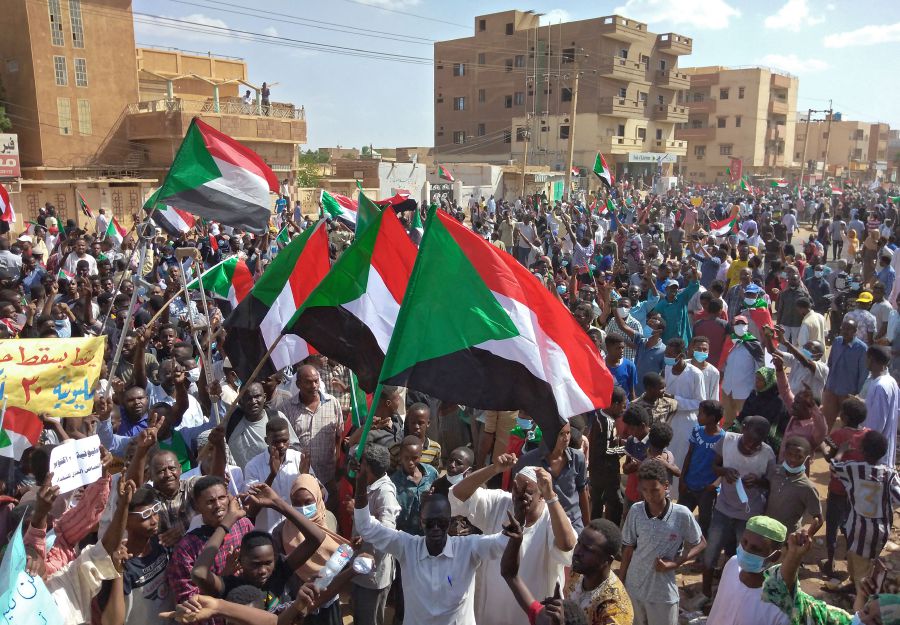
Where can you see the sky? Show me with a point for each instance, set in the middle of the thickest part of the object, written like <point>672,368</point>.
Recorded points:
<point>363,68</point>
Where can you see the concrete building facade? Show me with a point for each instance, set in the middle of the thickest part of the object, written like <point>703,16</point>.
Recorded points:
<point>506,93</point>
<point>99,118</point>
<point>745,113</point>
<point>845,149</point>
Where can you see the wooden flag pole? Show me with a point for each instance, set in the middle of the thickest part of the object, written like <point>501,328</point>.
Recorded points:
<point>367,426</point>
<point>246,383</point>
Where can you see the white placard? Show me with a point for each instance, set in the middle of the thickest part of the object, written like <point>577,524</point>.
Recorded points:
<point>76,464</point>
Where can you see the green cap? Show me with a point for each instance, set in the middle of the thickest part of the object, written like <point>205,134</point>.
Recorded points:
<point>767,527</point>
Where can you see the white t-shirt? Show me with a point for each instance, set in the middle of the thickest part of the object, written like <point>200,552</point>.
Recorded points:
<point>737,604</point>
<point>257,470</point>
<point>541,566</point>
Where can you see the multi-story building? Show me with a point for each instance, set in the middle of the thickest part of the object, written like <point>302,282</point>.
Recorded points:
<point>742,113</point>
<point>851,150</point>
<point>96,117</point>
<point>508,92</point>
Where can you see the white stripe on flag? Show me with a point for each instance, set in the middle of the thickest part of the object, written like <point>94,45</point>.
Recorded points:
<point>292,348</point>
<point>240,183</point>
<point>376,308</point>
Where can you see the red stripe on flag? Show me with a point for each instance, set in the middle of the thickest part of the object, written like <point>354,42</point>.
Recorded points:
<point>312,265</point>
<point>503,274</point>
<point>225,148</point>
<point>394,255</point>
<point>242,280</point>
<point>23,422</point>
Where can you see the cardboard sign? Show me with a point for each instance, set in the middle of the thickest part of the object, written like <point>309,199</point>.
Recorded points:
<point>76,464</point>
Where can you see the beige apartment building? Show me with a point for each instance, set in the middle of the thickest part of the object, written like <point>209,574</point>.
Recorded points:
<point>97,117</point>
<point>850,150</point>
<point>745,113</point>
<point>506,94</point>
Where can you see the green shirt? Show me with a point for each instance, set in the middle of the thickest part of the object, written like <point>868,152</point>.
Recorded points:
<point>799,607</point>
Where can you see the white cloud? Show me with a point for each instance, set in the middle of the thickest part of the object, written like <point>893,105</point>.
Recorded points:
<point>201,28</point>
<point>793,16</point>
<point>793,64</point>
<point>711,14</point>
<point>271,31</point>
<point>865,36</point>
<point>831,6</point>
<point>555,17</point>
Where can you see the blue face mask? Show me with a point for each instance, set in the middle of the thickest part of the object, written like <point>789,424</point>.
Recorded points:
<point>525,424</point>
<point>806,352</point>
<point>309,511</point>
<point>701,356</point>
<point>648,331</point>
<point>561,289</point>
<point>750,562</point>
<point>669,362</point>
<point>793,470</point>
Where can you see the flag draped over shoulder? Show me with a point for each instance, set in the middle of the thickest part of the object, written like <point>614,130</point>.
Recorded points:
<point>215,177</point>
<point>476,328</point>
<point>258,320</point>
<point>350,315</point>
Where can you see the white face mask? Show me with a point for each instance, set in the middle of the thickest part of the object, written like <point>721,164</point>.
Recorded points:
<point>455,479</point>
<point>623,312</point>
<point>740,329</point>
<point>193,374</point>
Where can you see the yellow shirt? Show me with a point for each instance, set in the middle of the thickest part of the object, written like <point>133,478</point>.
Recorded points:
<point>734,271</point>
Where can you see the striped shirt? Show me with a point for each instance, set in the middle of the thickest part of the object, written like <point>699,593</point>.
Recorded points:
<point>874,492</point>
<point>431,454</point>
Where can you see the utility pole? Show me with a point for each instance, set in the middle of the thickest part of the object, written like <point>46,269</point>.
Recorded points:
<point>827,140</point>
<point>525,153</point>
<point>570,160</point>
<point>805,144</point>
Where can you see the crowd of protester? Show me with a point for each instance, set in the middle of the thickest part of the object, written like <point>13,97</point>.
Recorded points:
<point>739,357</point>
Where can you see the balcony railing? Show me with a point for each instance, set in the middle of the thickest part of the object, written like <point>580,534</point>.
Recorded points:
<point>623,107</point>
<point>277,110</point>
<point>672,79</point>
<point>622,69</point>
<point>695,134</point>
<point>670,113</point>
<point>674,43</point>
<point>703,107</point>
<point>620,145</point>
<point>778,107</point>
<point>621,28</point>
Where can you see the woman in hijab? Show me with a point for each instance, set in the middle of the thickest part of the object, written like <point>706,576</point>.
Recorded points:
<point>852,245</point>
<point>306,496</point>
<point>870,249</point>
<point>764,400</point>
<point>781,590</point>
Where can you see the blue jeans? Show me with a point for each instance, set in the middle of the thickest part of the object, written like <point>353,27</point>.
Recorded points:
<point>724,533</point>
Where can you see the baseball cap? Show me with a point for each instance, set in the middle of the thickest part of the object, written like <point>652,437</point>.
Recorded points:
<point>865,298</point>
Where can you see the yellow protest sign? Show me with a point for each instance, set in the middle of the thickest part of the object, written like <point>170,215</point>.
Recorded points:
<point>696,201</point>
<point>55,376</point>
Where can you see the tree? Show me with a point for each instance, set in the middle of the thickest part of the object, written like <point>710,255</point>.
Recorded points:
<point>308,175</point>
<point>5,123</point>
<point>365,150</point>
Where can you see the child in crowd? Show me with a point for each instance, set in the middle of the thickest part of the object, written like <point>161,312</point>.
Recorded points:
<point>637,427</point>
<point>874,493</point>
<point>700,483</point>
<point>807,419</point>
<point>622,369</point>
<point>659,536</point>
<point>742,461</point>
<point>459,463</point>
<point>661,405</point>
<point>837,504</point>
<point>791,494</point>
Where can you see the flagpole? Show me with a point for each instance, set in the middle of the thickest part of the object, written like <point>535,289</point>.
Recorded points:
<point>367,427</point>
<point>124,273</point>
<point>354,404</point>
<point>246,383</point>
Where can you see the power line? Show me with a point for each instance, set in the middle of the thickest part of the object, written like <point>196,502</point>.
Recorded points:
<point>399,12</point>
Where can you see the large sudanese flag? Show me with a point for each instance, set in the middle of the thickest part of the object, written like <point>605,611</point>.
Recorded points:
<point>229,280</point>
<point>350,316</point>
<point>172,220</point>
<point>215,177</point>
<point>258,320</point>
<point>477,329</point>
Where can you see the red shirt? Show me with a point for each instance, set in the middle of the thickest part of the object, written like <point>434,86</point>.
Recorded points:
<point>853,453</point>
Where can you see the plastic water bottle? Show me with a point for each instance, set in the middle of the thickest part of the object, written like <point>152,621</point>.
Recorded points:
<point>335,565</point>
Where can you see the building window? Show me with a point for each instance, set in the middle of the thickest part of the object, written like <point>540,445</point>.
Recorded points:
<point>698,97</point>
<point>563,132</point>
<point>659,134</point>
<point>509,65</point>
<point>721,122</point>
<point>566,94</point>
<point>641,133</point>
<point>81,73</point>
<point>699,151</point>
<point>510,28</point>
<point>84,117</point>
<point>642,96</point>
<point>568,55</point>
<point>623,92</point>
<point>662,65</point>
<point>623,53</point>
<point>520,134</point>
<point>64,115</point>
<point>660,99</point>
<point>519,98</point>
<point>620,130</point>
<point>507,102</point>
<point>59,69</point>
<point>481,58</point>
<point>459,69</point>
<point>482,25</point>
<point>737,121</point>
<point>723,94</point>
<point>740,93</point>
<point>56,27</point>
<point>520,60</point>
<point>482,96</point>
<point>459,104</point>
<point>507,136</point>
<point>696,123</point>
<point>645,60</point>
<point>77,24</point>
<point>481,130</point>
<point>459,136</point>
<point>725,149</point>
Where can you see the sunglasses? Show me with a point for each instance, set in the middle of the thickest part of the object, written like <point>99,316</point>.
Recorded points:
<point>146,513</point>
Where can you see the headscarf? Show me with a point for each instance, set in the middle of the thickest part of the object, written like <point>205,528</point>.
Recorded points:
<point>768,376</point>
<point>291,538</point>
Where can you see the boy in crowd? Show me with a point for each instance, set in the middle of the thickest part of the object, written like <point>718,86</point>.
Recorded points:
<point>742,461</point>
<point>659,537</point>
<point>661,405</point>
<point>700,483</point>
<point>605,452</point>
<point>622,369</point>
<point>791,494</point>
<point>412,480</point>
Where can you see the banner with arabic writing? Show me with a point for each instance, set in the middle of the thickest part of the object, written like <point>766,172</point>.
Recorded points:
<point>54,376</point>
